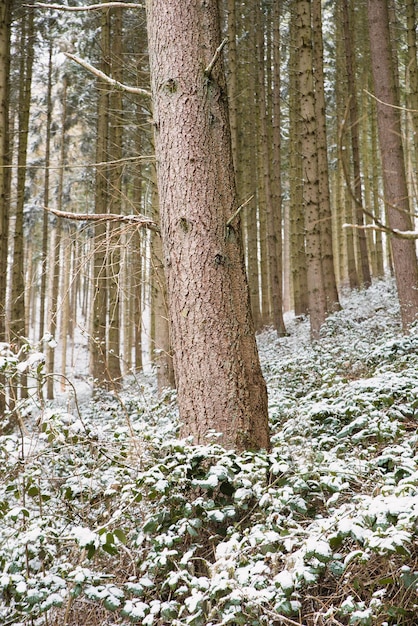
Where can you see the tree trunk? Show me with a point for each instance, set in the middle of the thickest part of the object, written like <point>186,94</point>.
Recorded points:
<point>354,134</point>
<point>218,375</point>
<point>115,203</point>
<point>18,308</point>
<point>99,300</point>
<point>4,173</point>
<point>45,217</point>
<point>316,290</point>
<point>327,252</point>
<point>161,345</point>
<point>390,139</point>
<point>297,227</point>
<point>272,227</point>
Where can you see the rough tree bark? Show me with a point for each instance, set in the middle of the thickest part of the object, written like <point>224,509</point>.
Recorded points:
<point>363,264</point>
<point>219,380</point>
<point>327,246</point>
<point>391,149</point>
<point>316,288</point>
<point>4,171</point>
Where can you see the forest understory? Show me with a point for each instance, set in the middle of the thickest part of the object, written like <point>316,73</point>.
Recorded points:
<point>106,518</point>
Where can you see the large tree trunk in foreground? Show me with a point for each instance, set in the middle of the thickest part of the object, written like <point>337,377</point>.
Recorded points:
<point>391,149</point>
<point>218,375</point>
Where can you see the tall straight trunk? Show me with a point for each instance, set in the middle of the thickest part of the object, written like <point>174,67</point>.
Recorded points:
<point>115,201</point>
<point>354,134</point>
<point>412,70</point>
<point>245,167</point>
<point>4,172</point>
<point>161,345</point>
<point>348,268</point>
<point>316,289</point>
<point>232,78</point>
<point>219,380</point>
<point>100,295</point>
<point>261,194</point>
<point>272,227</point>
<point>376,204</point>
<point>297,219</point>
<point>327,247</point>
<point>65,303</point>
<point>56,255</point>
<point>391,149</point>
<point>45,218</point>
<point>18,314</point>
<point>136,282</point>
<point>276,182</point>
<point>18,326</point>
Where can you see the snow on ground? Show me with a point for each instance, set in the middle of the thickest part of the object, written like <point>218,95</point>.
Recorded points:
<point>107,508</point>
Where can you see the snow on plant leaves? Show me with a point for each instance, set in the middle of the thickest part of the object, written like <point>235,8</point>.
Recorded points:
<point>229,538</point>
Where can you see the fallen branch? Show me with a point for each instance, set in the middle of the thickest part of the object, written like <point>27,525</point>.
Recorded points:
<point>137,220</point>
<point>115,83</point>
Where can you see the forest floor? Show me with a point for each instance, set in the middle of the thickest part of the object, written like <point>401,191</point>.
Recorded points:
<point>107,518</point>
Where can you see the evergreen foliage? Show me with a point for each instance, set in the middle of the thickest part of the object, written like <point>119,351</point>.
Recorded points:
<point>107,518</point>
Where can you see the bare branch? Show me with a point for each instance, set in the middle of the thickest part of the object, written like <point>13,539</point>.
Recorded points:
<point>92,7</point>
<point>387,104</point>
<point>149,158</point>
<point>137,220</point>
<point>234,215</point>
<point>115,83</point>
<point>394,232</point>
<point>208,70</point>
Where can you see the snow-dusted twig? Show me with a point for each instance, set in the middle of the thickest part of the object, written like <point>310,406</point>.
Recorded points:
<point>208,70</point>
<point>387,104</point>
<point>92,7</point>
<point>394,232</point>
<point>115,83</point>
<point>239,209</point>
<point>138,220</point>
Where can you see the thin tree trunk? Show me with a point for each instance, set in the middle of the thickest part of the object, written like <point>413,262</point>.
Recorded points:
<point>4,175</point>
<point>354,134</point>
<point>276,183</point>
<point>100,296</point>
<point>56,257</point>
<point>390,139</point>
<point>45,217</point>
<point>115,203</point>
<point>218,375</point>
<point>327,252</point>
<point>297,218</point>
<point>18,308</point>
<point>272,227</point>
<point>316,290</point>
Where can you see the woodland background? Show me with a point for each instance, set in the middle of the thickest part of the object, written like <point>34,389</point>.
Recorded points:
<point>73,143</point>
<point>107,516</point>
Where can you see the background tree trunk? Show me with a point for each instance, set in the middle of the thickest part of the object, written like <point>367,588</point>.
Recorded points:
<point>4,173</point>
<point>100,295</point>
<point>363,263</point>
<point>391,149</point>
<point>316,289</point>
<point>327,251</point>
<point>207,288</point>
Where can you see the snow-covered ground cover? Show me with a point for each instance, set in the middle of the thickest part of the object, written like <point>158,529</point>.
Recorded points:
<point>106,518</point>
